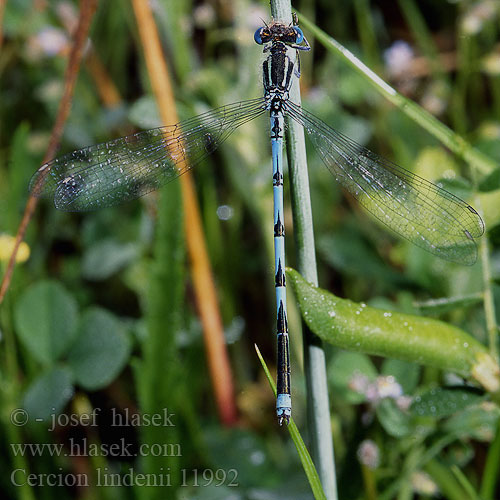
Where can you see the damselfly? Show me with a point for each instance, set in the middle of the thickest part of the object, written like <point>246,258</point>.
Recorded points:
<point>123,169</point>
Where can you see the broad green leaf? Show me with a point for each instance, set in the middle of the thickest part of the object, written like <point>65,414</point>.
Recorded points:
<point>358,327</point>
<point>244,450</point>
<point>457,185</point>
<point>101,349</point>
<point>48,393</point>
<point>106,258</point>
<point>395,422</point>
<point>144,113</point>
<point>406,374</point>
<point>491,181</point>
<point>347,251</point>
<point>346,369</point>
<point>476,422</point>
<point>46,320</point>
<point>442,402</point>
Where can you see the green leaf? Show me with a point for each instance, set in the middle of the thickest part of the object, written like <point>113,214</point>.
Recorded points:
<point>477,422</point>
<point>48,393</point>
<point>233,448</point>
<point>459,453</point>
<point>344,369</point>
<point>144,113</point>
<point>491,182</point>
<point>358,327</point>
<point>21,166</point>
<point>100,351</point>
<point>395,422</point>
<point>406,374</point>
<point>161,375</point>
<point>106,257</point>
<point>442,402</point>
<point>46,318</point>
<point>348,252</point>
<point>458,186</point>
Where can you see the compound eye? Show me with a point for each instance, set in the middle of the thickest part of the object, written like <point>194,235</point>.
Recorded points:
<point>300,35</point>
<point>257,36</point>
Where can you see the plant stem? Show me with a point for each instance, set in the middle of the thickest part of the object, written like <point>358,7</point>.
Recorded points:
<point>314,357</point>
<point>444,478</point>
<point>490,474</point>
<point>488,299</point>
<point>370,482</point>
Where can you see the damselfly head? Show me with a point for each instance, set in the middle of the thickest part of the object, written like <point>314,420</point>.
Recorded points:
<point>278,32</point>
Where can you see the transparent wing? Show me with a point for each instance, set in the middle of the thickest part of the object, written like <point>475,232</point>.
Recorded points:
<point>123,169</point>
<point>420,211</point>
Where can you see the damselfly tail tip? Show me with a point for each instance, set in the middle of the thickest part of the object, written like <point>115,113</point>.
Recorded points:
<point>284,418</point>
<point>283,408</point>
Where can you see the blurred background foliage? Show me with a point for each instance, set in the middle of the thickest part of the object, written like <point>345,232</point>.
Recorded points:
<point>78,319</point>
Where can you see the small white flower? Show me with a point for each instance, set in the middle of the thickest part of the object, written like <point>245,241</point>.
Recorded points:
<point>388,387</point>
<point>372,394</point>
<point>49,42</point>
<point>422,483</point>
<point>491,63</point>
<point>359,383</point>
<point>478,15</point>
<point>404,402</point>
<point>369,454</point>
<point>204,16</point>
<point>398,57</point>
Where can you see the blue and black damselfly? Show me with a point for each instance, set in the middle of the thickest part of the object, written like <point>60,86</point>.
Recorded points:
<point>123,169</point>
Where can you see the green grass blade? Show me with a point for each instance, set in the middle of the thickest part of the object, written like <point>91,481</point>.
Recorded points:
<point>490,474</point>
<point>445,135</point>
<point>464,482</point>
<point>159,372</point>
<point>304,456</point>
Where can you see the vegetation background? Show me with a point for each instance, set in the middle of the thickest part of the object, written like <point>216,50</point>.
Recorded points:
<point>101,313</point>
